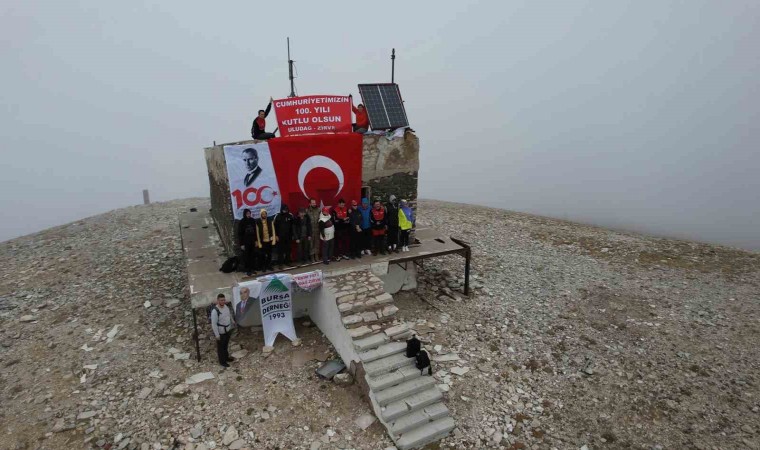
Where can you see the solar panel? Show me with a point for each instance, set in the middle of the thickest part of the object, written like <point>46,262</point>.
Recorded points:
<point>384,105</point>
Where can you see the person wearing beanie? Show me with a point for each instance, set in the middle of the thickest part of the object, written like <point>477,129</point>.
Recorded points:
<point>326,234</point>
<point>365,211</point>
<point>391,210</point>
<point>265,240</point>
<point>405,224</point>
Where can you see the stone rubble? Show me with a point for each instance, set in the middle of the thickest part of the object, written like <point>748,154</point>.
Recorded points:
<point>651,343</point>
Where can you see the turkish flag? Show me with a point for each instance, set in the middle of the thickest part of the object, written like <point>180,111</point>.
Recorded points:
<point>325,167</point>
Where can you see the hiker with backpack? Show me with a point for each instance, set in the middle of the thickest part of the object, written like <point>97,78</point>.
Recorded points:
<point>247,240</point>
<point>222,323</point>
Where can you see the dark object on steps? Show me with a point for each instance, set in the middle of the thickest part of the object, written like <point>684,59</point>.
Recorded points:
<point>412,347</point>
<point>423,361</point>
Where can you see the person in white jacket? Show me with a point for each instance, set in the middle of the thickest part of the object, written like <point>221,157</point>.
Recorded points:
<point>222,322</point>
<point>326,234</point>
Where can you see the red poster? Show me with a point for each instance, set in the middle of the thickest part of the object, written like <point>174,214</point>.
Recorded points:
<point>313,114</point>
<point>325,167</point>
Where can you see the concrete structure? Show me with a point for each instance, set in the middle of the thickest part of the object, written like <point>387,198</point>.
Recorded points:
<point>205,255</point>
<point>389,166</point>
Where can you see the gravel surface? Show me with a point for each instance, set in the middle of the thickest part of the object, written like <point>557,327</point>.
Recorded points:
<point>573,336</point>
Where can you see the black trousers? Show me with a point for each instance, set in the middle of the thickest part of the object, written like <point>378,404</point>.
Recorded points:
<point>357,243</point>
<point>249,257</point>
<point>222,347</point>
<point>392,236</point>
<point>404,238</point>
<point>378,243</point>
<point>304,249</point>
<point>264,136</point>
<point>283,251</point>
<point>367,242</point>
<point>265,255</point>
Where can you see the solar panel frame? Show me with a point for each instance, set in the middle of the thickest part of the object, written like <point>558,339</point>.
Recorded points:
<point>384,105</point>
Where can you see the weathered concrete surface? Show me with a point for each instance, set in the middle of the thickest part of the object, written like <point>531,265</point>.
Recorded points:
<point>389,166</point>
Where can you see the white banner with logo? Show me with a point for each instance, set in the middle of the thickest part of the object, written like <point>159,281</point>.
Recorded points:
<point>277,308</point>
<point>253,183</point>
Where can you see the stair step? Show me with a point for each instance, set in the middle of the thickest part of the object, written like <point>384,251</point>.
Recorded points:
<point>403,336</point>
<point>396,409</point>
<point>397,329</point>
<point>387,380</point>
<point>387,364</point>
<point>404,390</point>
<point>418,418</point>
<point>425,434</point>
<point>383,351</point>
<point>371,342</point>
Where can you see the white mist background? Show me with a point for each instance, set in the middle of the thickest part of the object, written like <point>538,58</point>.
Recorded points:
<point>638,115</point>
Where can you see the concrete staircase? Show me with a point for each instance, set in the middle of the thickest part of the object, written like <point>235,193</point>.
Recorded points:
<point>407,402</point>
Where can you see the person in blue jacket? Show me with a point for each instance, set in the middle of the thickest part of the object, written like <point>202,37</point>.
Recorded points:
<point>366,227</point>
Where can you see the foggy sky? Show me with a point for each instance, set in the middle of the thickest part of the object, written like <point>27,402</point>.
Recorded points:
<point>639,115</point>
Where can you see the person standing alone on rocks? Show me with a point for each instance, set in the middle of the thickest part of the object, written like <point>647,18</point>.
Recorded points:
<point>222,324</point>
<point>313,213</point>
<point>247,240</point>
<point>326,234</point>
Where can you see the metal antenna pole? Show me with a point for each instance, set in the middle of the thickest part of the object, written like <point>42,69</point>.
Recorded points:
<point>393,64</point>
<point>290,72</point>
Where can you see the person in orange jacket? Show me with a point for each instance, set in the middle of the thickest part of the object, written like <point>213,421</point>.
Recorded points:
<point>362,120</point>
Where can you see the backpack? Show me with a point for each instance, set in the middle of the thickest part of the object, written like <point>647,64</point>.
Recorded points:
<point>230,265</point>
<point>412,347</point>
<point>423,361</point>
<point>209,309</point>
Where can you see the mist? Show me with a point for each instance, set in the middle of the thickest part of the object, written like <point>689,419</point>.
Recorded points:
<point>636,115</point>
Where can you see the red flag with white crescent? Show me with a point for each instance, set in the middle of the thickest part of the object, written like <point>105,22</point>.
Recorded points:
<point>326,167</point>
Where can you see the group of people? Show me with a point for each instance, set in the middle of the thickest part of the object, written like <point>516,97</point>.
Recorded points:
<point>329,234</point>
<point>258,128</point>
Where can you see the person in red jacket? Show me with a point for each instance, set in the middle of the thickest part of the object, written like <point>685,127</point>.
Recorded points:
<point>379,224</point>
<point>342,229</point>
<point>362,120</point>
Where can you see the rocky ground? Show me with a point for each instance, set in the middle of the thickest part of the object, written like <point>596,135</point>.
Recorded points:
<point>573,337</point>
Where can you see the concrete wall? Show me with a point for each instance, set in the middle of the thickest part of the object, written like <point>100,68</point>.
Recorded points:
<point>323,311</point>
<point>389,166</point>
